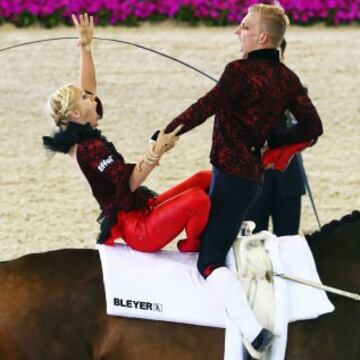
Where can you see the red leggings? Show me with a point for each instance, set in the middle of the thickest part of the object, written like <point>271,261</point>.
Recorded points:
<point>184,206</point>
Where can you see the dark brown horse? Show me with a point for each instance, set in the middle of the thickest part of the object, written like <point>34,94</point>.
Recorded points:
<point>52,307</point>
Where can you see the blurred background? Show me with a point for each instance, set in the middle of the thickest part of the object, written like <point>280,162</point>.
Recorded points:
<point>45,204</point>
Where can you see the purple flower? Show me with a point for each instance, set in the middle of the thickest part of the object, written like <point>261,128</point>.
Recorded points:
<point>120,10</point>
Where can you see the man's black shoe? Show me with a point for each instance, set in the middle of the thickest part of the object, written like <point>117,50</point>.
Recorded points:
<point>262,340</point>
<point>260,343</point>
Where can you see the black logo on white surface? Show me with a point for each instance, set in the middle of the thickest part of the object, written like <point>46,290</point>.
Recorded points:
<point>137,304</point>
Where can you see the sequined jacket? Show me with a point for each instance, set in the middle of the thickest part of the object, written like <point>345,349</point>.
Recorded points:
<point>108,176</point>
<point>248,102</point>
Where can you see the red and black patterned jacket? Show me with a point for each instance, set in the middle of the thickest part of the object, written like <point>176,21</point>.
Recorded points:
<point>248,102</point>
<point>107,173</point>
<point>104,169</point>
<point>108,176</point>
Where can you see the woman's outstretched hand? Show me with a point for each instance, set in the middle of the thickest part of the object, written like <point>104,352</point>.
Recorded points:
<point>165,142</point>
<point>85,29</point>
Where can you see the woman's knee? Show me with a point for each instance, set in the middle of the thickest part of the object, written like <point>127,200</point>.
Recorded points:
<point>199,199</point>
<point>202,179</point>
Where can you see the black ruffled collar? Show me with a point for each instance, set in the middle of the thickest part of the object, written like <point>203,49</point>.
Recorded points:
<point>73,134</point>
<point>268,54</point>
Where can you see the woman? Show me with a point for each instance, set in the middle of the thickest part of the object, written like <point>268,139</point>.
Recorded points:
<point>145,221</point>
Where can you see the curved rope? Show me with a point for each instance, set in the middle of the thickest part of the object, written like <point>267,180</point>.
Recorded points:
<point>27,43</point>
<point>118,41</point>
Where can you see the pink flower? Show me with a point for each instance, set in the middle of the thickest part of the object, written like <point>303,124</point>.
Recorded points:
<point>119,10</point>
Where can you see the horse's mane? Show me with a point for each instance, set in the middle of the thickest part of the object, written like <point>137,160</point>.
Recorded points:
<point>332,226</point>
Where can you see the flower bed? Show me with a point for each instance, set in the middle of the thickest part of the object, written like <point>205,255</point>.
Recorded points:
<point>50,13</point>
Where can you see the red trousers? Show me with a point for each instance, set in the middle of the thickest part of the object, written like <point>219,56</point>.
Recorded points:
<point>184,206</point>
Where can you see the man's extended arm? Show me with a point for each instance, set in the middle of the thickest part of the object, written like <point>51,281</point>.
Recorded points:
<point>206,106</point>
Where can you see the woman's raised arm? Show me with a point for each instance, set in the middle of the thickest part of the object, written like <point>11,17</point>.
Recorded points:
<point>85,29</point>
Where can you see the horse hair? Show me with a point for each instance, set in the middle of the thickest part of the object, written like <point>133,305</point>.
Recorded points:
<point>332,226</point>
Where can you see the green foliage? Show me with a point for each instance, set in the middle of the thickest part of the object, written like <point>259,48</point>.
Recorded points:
<point>104,17</point>
<point>131,21</point>
<point>25,19</point>
<point>156,18</point>
<point>52,20</point>
<point>186,14</point>
<point>331,17</point>
<point>220,21</point>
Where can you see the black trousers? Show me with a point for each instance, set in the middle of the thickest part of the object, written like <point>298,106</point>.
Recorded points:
<point>284,211</point>
<point>231,198</point>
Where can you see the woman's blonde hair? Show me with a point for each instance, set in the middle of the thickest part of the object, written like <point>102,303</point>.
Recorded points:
<point>273,20</point>
<point>61,103</point>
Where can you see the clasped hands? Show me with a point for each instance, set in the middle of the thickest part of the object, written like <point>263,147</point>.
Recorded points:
<point>163,144</point>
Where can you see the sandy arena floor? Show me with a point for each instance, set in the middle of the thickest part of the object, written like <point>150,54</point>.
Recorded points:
<point>44,203</point>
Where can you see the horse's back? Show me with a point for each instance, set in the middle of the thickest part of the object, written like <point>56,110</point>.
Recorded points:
<point>336,249</point>
<point>48,303</point>
<point>52,306</point>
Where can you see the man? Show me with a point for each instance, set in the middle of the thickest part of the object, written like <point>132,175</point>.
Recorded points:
<point>282,190</point>
<point>248,101</point>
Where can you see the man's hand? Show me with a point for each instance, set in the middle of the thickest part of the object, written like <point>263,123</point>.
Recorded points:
<point>85,29</point>
<point>165,142</point>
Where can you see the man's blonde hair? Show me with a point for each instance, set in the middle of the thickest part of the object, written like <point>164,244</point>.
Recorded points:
<point>61,103</point>
<point>273,20</point>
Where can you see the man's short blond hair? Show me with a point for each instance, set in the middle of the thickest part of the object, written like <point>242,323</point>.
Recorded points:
<point>273,20</point>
